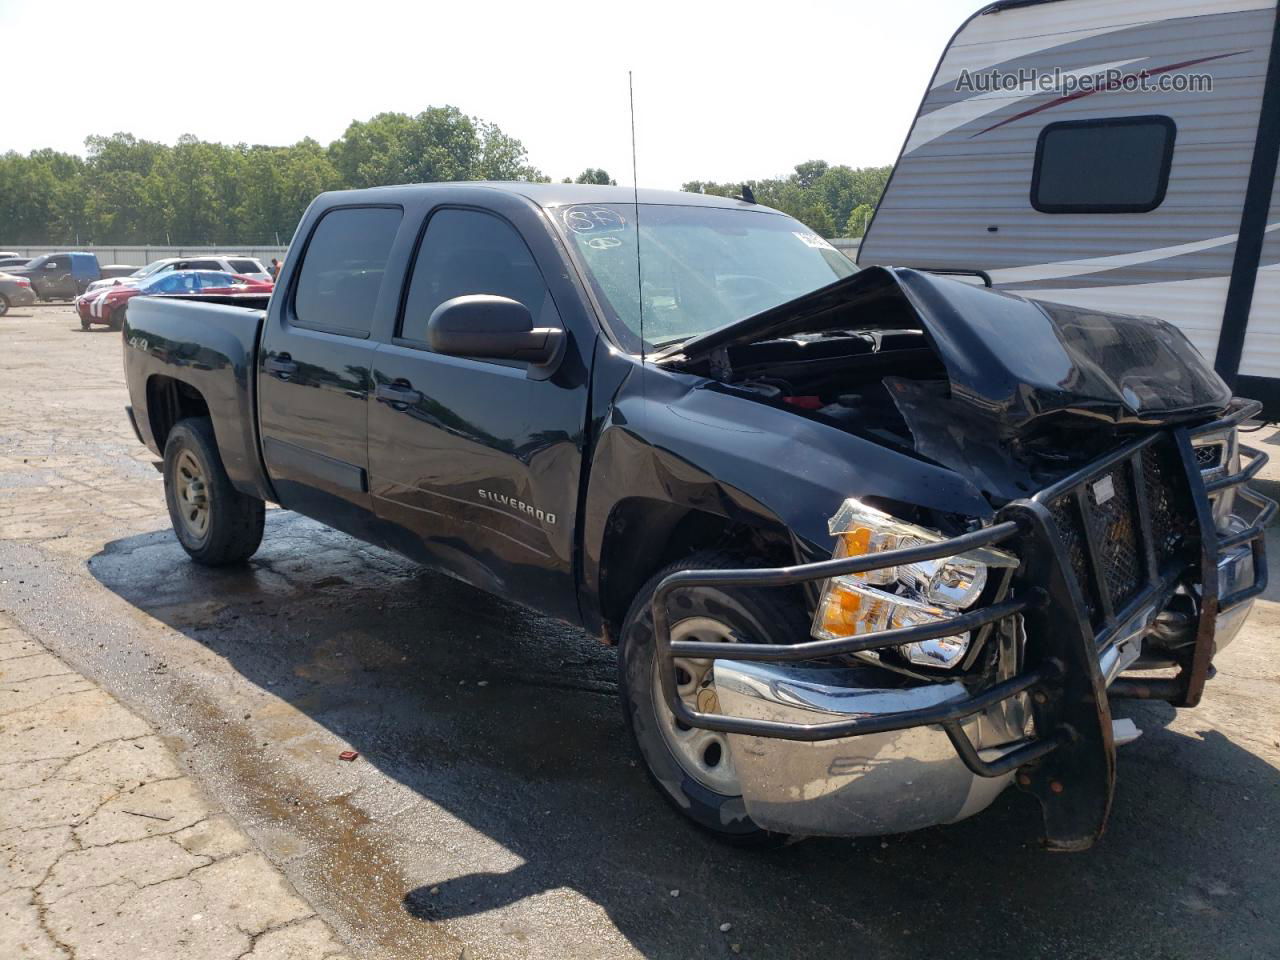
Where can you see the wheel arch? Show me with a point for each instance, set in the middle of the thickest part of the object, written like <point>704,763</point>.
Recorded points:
<point>170,400</point>
<point>643,535</point>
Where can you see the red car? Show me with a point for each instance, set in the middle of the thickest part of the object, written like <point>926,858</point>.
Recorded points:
<point>109,306</point>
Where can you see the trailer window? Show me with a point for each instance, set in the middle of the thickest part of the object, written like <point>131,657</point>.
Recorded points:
<point>1112,165</point>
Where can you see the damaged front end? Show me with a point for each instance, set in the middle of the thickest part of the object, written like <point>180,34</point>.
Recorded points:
<point>1122,538</point>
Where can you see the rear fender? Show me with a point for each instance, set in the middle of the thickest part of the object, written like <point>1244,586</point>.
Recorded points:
<point>211,348</point>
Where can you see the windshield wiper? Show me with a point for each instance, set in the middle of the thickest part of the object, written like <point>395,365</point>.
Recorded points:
<point>663,344</point>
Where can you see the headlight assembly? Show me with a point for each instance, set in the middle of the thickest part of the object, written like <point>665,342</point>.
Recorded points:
<point>903,596</point>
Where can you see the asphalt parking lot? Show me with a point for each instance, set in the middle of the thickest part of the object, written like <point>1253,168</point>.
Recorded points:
<point>496,810</point>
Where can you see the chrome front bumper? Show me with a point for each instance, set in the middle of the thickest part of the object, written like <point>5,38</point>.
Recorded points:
<point>858,786</point>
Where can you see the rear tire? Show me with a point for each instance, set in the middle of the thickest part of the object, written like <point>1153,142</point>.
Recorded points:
<point>4,305</point>
<point>215,523</point>
<point>688,766</point>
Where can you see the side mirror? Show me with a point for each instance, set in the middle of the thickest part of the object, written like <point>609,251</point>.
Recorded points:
<point>487,327</point>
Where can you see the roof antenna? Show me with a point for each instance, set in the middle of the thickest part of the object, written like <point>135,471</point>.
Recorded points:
<point>747,194</point>
<point>635,187</point>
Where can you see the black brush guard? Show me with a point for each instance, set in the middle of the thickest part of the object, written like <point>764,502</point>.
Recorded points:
<point>1070,765</point>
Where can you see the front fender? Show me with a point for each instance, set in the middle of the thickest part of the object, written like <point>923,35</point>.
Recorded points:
<point>681,439</point>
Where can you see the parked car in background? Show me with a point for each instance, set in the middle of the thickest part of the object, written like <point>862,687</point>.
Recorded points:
<point>138,275</point>
<point>115,271</point>
<point>5,254</point>
<point>59,276</point>
<point>231,263</point>
<point>14,292</point>
<point>241,266</point>
<point>109,306</point>
<point>13,260</point>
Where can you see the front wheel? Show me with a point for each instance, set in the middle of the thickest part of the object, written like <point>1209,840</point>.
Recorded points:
<point>694,768</point>
<point>215,523</point>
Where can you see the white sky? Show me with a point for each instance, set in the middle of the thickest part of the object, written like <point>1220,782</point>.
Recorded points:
<point>724,91</point>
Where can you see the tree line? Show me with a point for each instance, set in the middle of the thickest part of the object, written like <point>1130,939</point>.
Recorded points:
<point>131,191</point>
<point>835,201</point>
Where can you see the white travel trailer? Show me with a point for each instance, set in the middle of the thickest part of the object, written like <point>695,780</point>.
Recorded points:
<point>1118,154</point>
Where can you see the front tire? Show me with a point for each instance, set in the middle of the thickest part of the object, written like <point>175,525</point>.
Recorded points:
<point>693,769</point>
<point>215,523</point>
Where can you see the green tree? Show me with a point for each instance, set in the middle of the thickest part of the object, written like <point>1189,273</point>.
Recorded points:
<point>597,176</point>
<point>855,224</point>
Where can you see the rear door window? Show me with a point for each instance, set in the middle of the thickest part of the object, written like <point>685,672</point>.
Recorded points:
<point>342,269</point>
<point>1112,165</point>
<point>246,266</point>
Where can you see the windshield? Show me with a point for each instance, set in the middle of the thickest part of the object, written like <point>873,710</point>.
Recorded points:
<point>152,267</point>
<point>701,267</point>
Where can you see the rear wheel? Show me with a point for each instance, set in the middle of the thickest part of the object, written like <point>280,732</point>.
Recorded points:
<point>215,523</point>
<point>4,305</point>
<point>694,768</point>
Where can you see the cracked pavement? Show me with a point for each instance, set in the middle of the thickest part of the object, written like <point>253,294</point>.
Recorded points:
<point>109,850</point>
<point>495,807</point>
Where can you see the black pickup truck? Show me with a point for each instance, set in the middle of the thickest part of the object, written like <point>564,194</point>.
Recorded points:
<point>875,544</point>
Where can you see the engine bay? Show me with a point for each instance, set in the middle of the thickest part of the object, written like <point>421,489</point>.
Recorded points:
<point>1012,393</point>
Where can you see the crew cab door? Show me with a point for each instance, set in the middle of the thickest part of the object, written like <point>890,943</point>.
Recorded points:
<point>475,466</point>
<point>314,367</point>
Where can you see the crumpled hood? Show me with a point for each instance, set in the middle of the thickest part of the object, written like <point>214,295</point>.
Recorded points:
<point>1010,360</point>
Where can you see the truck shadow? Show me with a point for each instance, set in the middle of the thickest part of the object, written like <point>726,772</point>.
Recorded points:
<point>474,710</point>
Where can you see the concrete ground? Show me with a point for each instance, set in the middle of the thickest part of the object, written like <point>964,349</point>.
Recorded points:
<point>496,809</point>
<point>109,850</point>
